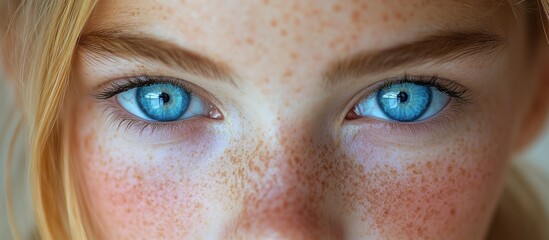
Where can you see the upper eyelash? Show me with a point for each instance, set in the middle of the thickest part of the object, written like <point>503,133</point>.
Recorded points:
<point>113,88</point>
<point>451,88</point>
<point>122,119</point>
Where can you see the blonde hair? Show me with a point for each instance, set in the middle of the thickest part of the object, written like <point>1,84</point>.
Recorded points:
<point>43,36</point>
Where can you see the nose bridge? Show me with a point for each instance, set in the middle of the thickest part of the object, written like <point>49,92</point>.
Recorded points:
<point>289,200</point>
<point>293,162</point>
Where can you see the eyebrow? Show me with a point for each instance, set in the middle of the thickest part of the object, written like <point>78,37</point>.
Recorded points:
<point>448,46</point>
<point>107,43</point>
<point>440,47</point>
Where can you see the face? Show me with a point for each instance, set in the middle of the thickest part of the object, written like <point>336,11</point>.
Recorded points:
<point>298,119</point>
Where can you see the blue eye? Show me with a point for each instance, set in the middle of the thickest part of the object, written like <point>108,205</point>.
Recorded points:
<point>403,102</point>
<point>161,103</point>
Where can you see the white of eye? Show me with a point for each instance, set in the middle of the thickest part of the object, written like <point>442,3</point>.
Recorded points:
<point>369,107</point>
<point>128,101</point>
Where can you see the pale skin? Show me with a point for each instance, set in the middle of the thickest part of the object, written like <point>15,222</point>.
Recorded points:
<point>284,162</point>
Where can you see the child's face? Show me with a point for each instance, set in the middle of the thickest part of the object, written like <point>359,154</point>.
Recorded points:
<point>284,153</point>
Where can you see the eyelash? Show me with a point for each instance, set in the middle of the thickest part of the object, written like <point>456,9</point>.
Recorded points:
<point>116,87</point>
<point>120,117</point>
<point>442,122</point>
<point>451,88</point>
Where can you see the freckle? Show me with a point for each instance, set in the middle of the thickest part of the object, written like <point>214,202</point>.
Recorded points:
<point>296,6</point>
<point>385,18</point>
<point>355,17</point>
<point>462,172</point>
<point>288,73</point>
<point>317,56</point>
<point>274,23</point>
<point>88,142</point>
<point>336,8</point>
<point>283,32</point>
<point>286,17</point>
<point>316,11</point>
<point>250,41</point>
<point>294,55</point>
<point>346,48</point>
<point>266,2</point>
<point>333,44</point>
<point>299,38</point>
<point>297,21</point>
<point>139,176</point>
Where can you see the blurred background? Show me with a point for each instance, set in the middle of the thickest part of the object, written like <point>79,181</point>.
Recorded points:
<point>537,156</point>
<point>19,192</point>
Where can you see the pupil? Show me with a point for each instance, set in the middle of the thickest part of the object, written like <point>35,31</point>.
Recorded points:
<point>165,97</point>
<point>402,97</point>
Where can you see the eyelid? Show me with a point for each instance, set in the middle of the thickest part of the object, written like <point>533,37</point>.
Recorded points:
<point>456,91</point>
<point>453,118</point>
<point>119,117</point>
<point>157,132</point>
<point>110,89</point>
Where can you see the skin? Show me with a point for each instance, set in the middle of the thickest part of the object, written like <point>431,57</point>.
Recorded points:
<point>284,163</point>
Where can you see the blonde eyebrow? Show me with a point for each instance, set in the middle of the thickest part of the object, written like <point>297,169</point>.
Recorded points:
<point>441,47</point>
<point>109,43</point>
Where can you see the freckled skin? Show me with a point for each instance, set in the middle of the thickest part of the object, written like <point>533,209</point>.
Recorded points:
<point>283,163</point>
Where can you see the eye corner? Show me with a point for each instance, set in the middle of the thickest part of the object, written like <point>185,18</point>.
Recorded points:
<point>352,115</point>
<point>214,113</point>
<point>153,102</point>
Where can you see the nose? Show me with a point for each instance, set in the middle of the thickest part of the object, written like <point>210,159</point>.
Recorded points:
<point>294,197</point>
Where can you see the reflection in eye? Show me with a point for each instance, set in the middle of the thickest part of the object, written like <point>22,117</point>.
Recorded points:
<point>161,103</point>
<point>155,103</point>
<point>403,102</point>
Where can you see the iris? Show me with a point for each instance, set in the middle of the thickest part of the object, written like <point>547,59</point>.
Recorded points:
<point>162,102</point>
<point>405,102</point>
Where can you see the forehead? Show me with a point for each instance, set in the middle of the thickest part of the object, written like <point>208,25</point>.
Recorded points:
<point>272,35</point>
<point>309,16</point>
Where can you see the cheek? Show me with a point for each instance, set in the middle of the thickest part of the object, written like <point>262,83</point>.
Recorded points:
<point>437,198</point>
<point>135,192</point>
<point>449,189</point>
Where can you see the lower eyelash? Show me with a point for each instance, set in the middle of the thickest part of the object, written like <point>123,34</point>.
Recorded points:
<point>119,118</point>
<point>452,118</point>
